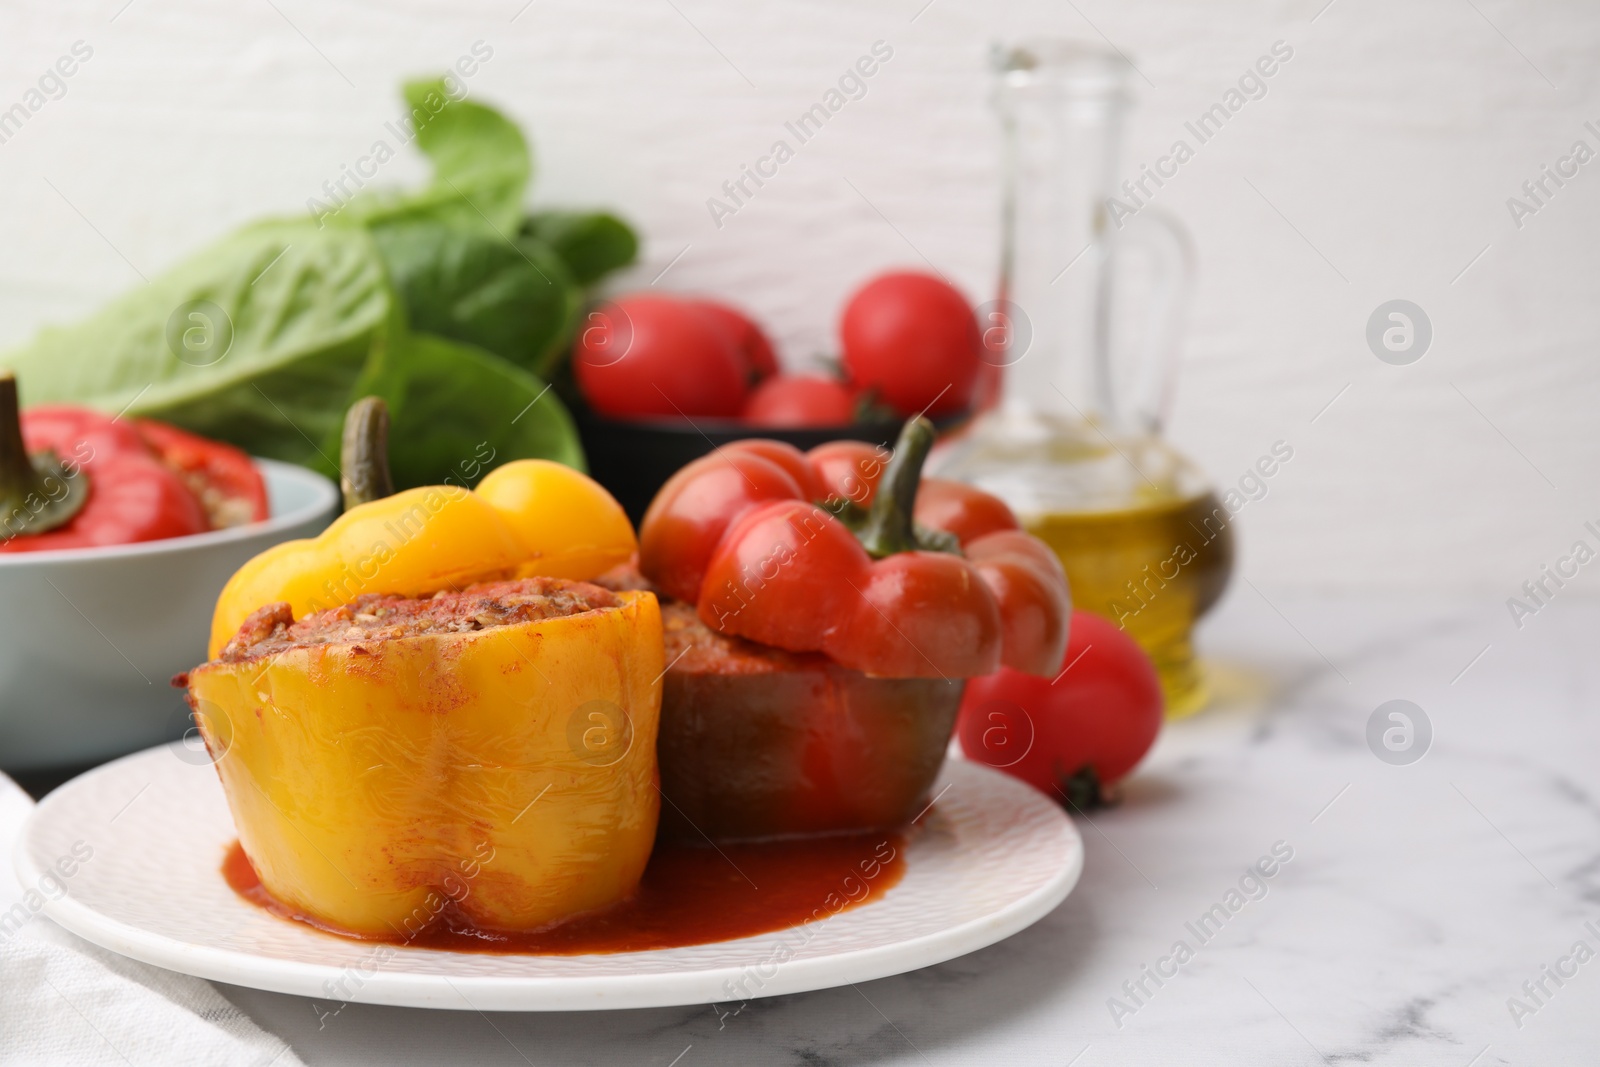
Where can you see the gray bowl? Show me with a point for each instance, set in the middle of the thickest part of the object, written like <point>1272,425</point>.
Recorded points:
<point>90,638</point>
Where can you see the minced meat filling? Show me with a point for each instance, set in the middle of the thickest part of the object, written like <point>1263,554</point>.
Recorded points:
<point>692,647</point>
<point>377,617</point>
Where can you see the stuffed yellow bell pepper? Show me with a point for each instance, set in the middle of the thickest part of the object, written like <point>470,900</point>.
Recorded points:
<point>529,517</point>
<point>431,753</point>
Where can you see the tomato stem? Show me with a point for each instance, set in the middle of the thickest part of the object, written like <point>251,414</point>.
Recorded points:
<point>37,493</point>
<point>364,453</point>
<point>888,528</point>
<point>1083,790</point>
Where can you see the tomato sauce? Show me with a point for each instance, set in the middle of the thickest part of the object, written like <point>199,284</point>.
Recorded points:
<point>690,895</point>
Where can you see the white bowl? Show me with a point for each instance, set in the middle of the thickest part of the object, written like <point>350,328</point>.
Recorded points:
<point>90,638</point>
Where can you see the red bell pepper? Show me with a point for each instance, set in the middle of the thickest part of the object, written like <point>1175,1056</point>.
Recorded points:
<point>74,478</point>
<point>228,484</point>
<point>804,553</point>
<point>756,742</point>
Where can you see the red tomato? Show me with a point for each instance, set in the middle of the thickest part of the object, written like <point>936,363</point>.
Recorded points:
<point>800,400</point>
<point>1103,712</point>
<point>760,359</point>
<point>648,354</point>
<point>913,338</point>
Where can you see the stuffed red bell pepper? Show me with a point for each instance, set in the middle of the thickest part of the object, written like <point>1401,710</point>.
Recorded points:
<point>828,608</point>
<point>72,477</point>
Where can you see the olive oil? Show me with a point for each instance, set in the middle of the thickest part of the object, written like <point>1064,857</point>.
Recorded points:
<point>1142,538</point>
<point>1084,336</point>
<point>1153,567</point>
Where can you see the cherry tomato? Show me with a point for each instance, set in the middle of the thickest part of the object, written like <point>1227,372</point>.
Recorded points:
<point>913,339</point>
<point>653,355</point>
<point>801,400</point>
<point>760,358</point>
<point>1102,713</point>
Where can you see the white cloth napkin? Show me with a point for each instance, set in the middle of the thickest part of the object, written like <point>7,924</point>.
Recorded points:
<point>65,1002</point>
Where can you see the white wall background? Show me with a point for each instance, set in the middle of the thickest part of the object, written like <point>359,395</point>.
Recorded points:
<point>1390,142</point>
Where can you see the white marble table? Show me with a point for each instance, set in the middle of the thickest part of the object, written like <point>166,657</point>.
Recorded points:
<point>1418,901</point>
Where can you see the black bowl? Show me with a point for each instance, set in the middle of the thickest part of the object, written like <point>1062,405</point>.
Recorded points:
<point>634,458</point>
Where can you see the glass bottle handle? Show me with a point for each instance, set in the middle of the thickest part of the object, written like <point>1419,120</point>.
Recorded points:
<point>1136,387</point>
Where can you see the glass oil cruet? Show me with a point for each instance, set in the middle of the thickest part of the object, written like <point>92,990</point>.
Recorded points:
<point>1084,332</point>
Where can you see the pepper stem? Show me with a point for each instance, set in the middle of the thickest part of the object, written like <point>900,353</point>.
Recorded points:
<point>888,528</point>
<point>364,453</point>
<point>17,475</point>
<point>37,493</point>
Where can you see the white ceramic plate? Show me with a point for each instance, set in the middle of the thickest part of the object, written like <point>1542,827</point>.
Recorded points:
<point>993,857</point>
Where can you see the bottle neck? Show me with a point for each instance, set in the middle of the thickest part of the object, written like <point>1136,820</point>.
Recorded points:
<point>1061,114</point>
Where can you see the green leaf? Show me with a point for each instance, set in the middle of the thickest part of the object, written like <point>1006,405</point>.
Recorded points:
<point>593,244</point>
<point>481,166</point>
<point>476,151</point>
<point>266,337</point>
<point>257,341</point>
<point>456,411</point>
<point>513,298</point>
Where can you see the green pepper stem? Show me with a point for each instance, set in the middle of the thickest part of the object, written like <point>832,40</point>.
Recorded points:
<point>37,493</point>
<point>17,476</point>
<point>364,453</point>
<point>888,528</point>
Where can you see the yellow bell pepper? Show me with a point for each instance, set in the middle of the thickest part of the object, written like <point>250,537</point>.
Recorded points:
<point>507,773</point>
<point>386,763</point>
<point>528,517</point>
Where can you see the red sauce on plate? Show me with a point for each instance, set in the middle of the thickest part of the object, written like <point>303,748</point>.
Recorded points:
<point>690,895</point>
